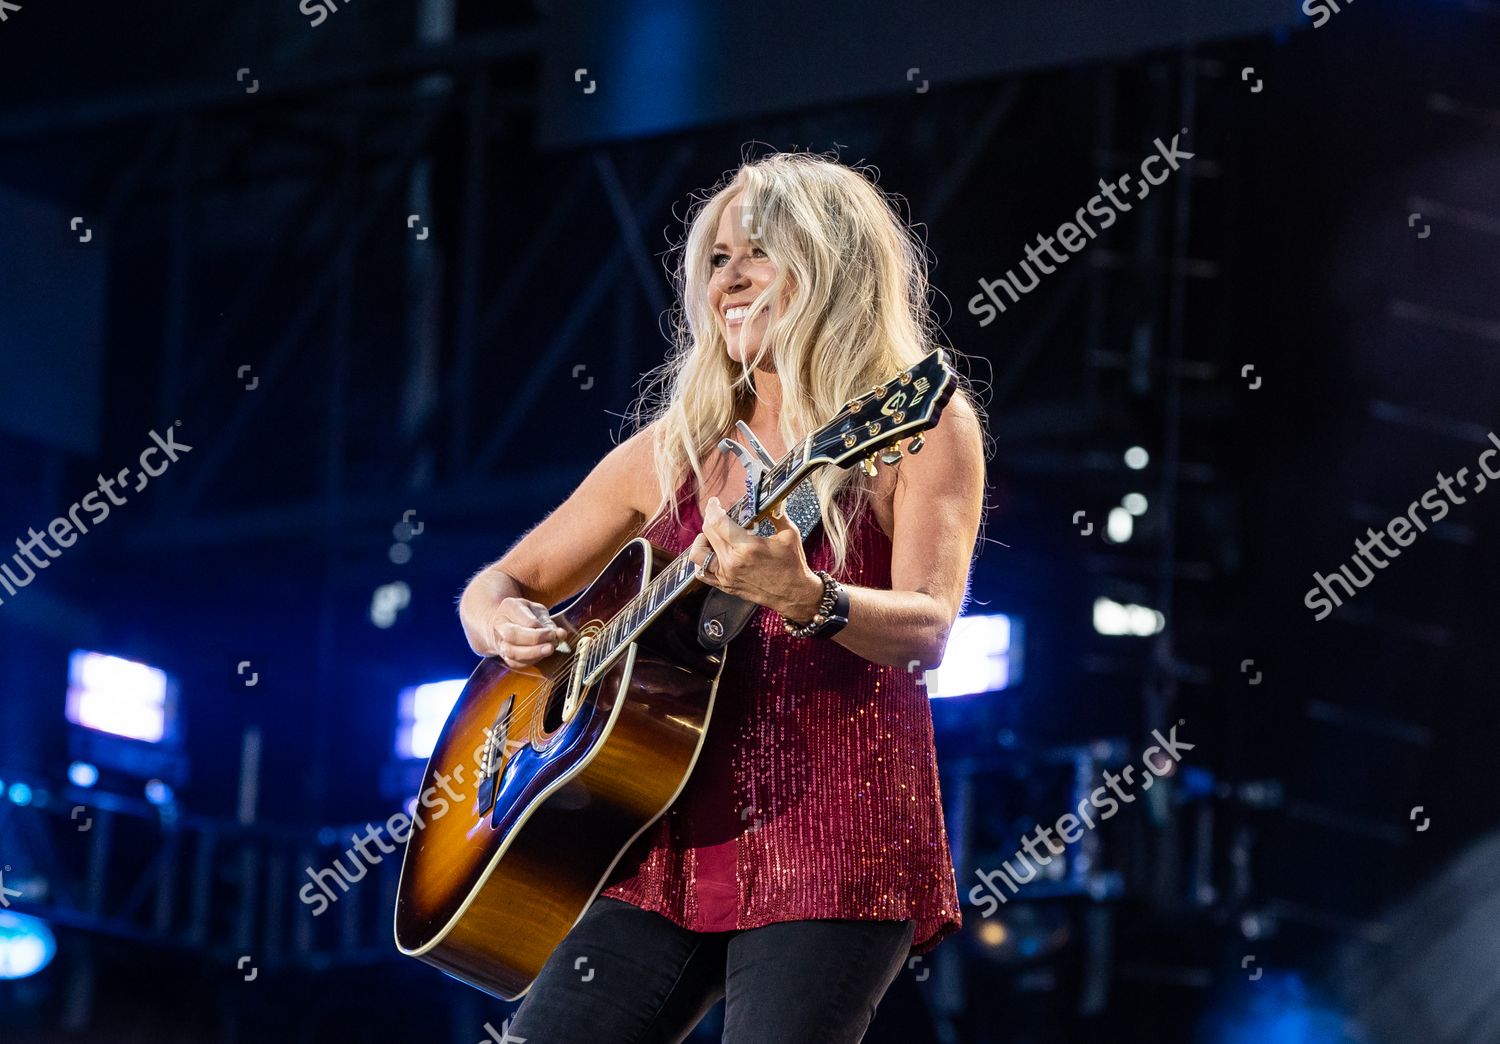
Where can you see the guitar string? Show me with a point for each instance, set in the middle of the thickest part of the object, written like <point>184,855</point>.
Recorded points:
<point>534,705</point>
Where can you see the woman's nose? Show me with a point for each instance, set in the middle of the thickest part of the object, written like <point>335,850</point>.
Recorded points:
<point>731,277</point>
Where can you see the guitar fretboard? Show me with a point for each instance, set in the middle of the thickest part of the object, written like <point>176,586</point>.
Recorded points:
<point>672,581</point>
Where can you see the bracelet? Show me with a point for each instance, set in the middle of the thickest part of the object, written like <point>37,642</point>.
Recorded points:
<point>832,615</point>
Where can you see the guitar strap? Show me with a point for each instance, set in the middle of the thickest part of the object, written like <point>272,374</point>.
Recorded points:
<point>725,615</point>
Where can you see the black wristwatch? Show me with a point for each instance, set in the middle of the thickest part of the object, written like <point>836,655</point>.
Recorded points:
<point>832,615</point>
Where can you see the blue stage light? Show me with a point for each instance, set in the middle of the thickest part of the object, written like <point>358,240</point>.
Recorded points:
<point>83,774</point>
<point>20,794</point>
<point>26,945</point>
<point>1279,1009</point>
<point>119,696</point>
<point>159,793</point>
<point>421,711</point>
<point>983,655</point>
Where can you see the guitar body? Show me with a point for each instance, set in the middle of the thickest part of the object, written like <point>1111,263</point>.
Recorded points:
<point>503,860</point>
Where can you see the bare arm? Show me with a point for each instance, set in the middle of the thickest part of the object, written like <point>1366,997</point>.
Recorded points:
<point>938,502</point>
<point>504,606</point>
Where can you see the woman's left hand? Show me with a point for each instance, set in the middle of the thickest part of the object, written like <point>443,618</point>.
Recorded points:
<point>770,571</point>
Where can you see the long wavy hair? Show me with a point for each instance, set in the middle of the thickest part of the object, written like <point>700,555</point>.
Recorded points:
<point>849,307</point>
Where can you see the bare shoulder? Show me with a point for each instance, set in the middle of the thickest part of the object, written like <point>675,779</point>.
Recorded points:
<point>950,466</point>
<point>629,472</point>
<point>961,422</point>
<point>953,450</point>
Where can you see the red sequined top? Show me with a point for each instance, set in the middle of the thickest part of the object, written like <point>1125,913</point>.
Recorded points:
<point>816,793</point>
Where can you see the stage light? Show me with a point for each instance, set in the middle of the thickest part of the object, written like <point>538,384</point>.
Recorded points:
<point>1135,503</point>
<point>1139,621</point>
<point>389,600</point>
<point>83,774</point>
<point>421,712</point>
<point>26,945</point>
<point>19,794</point>
<point>1136,458</point>
<point>119,696</point>
<point>159,793</point>
<point>1281,1008</point>
<point>1024,933</point>
<point>983,655</point>
<point>1119,526</point>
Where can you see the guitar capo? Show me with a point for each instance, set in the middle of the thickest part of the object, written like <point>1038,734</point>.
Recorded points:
<point>725,615</point>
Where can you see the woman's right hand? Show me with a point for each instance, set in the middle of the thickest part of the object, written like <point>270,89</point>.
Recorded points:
<point>519,631</point>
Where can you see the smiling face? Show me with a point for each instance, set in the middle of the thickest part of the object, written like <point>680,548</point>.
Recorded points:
<point>741,272</point>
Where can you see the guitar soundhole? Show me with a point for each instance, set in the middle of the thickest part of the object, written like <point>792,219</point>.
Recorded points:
<point>557,698</point>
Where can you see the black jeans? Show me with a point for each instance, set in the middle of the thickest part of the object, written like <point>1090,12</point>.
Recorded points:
<point>625,975</point>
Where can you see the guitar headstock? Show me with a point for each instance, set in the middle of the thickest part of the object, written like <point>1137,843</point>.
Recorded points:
<point>908,404</point>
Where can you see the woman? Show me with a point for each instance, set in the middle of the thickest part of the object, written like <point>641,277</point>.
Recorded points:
<point>806,859</point>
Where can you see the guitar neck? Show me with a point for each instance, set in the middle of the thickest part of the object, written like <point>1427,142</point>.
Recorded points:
<point>676,579</point>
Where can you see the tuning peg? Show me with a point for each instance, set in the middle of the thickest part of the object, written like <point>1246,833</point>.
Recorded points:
<point>867,465</point>
<point>915,445</point>
<point>891,456</point>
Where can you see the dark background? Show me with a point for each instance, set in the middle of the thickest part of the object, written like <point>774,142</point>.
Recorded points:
<point>1276,888</point>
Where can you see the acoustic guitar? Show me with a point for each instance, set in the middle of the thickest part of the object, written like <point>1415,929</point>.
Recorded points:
<point>555,769</point>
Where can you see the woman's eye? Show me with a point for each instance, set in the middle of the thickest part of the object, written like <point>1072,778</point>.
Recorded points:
<point>718,260</point>
<point>759,252</point>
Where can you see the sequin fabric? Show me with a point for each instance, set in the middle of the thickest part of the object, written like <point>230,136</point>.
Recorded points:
<point>816,793</point>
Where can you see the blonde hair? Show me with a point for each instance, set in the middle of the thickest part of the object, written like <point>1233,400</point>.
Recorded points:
<point>856,313</point>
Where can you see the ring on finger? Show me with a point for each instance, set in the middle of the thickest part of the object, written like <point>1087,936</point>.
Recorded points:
<point>708,561</point>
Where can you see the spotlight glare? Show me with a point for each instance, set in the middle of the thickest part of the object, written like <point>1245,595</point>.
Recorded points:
<point>26,945</point>
<point>20,794</point>
<point>83,774</point>
<point>1137,458</point>
<point>119,696</point>
<point>1119,526</point>
<point>1135,503</point>
<point>388,600</point>
<point>1136,621</point>
<point>983,655</point>
<point>421,712</point>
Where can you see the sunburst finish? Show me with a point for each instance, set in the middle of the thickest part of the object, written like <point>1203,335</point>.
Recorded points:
<point>488,892</point>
